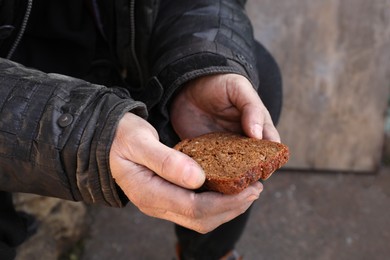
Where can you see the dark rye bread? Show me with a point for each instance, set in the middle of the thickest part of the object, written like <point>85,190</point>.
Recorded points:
<point>232,162</point>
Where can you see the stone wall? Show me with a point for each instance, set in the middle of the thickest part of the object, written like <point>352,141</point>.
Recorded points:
<point>335,60</point>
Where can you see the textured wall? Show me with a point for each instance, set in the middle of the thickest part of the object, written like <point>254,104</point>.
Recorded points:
<point>335,60</point>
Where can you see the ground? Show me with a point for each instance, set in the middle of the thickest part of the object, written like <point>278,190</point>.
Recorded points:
<point>300,215</point>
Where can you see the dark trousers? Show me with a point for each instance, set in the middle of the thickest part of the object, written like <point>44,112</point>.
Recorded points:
<point>13,228</point>
<point>220,241</point>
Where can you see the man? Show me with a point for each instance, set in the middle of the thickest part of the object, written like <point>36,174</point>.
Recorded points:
<point>106,89</point>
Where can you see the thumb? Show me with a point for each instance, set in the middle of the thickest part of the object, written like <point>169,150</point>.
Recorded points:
<point>137,141</point>
<point>169,164</point>
<point>256,120</point>
<point>172,165</point>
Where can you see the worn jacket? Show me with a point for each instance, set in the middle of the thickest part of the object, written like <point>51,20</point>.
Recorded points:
<point>69,70</point>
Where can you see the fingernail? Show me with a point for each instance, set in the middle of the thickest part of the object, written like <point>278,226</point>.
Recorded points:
<point>259,186</point>
<point>257,131</point>
<point>258,190</point>
<point>193,176</point>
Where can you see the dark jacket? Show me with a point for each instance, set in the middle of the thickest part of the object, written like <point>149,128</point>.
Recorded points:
<point>118,56</point>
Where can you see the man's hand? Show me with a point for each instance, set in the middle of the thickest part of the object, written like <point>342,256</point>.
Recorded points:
<point>157,180</point>
<point>223,102</point>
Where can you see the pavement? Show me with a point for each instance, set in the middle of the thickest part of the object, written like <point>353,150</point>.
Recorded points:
<point>300,215</point>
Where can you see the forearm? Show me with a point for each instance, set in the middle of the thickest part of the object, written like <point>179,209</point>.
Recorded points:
<point>56,132</point>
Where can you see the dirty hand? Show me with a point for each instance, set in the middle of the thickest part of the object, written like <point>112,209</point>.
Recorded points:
<point>222,102</point>
<point>157,180</point>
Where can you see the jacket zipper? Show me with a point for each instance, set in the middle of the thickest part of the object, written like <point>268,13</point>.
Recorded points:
<point>132,41</point>
<point>22,30</point>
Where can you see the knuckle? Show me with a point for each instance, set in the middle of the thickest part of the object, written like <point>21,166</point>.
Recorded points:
<point>194,212</point>
<point>244,208</point>
<point>139,202</point>
<point>204,229</point>
<point>201,218</point>
<point>167,161</point>
<point>204,226</point>
<point>191,213</point>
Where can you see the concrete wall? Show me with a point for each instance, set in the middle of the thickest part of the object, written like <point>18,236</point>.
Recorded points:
<point>335,60</point>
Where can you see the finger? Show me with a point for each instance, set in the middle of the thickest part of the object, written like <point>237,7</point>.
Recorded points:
<point>217,212</point>
<point>202,212</point>
<point>264,126</point>
<point>168,163</point>
<point>256,120</point>
<point>137,141</point>
<point>269,131</point>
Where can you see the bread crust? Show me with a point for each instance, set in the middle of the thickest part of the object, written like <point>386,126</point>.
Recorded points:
<point>224,182</point>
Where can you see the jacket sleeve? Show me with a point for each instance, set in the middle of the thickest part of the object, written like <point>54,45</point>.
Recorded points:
<point>197,38</point>
<point>56,134</point>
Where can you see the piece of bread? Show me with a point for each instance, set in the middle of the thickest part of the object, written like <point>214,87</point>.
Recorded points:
<point>232,162</point>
